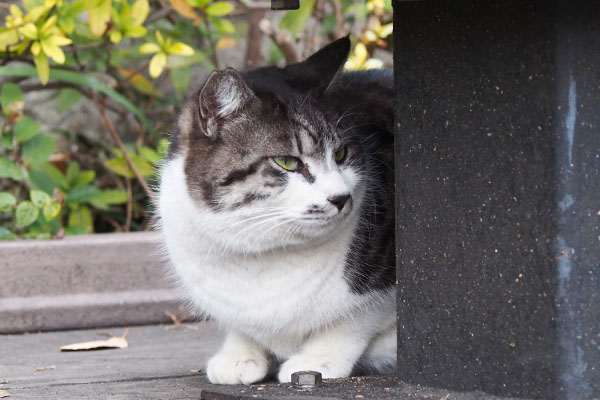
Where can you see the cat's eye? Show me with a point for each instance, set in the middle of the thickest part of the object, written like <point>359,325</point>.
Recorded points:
<point>340,155</point>
<point>288,163</point>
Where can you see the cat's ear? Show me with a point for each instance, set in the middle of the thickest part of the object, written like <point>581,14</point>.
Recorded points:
<point>323,66</point>
<point>223,96</point>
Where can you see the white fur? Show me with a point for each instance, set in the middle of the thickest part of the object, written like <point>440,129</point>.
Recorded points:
<point>277,283</point>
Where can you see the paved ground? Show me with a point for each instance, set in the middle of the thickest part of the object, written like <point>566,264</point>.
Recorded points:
<point>158,364</point>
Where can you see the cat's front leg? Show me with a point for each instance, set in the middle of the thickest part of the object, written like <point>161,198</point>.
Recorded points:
<point>240,360</point>
<point>333,352</point>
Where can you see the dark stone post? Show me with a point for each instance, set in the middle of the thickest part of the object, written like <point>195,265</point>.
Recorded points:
<point>498,206</point>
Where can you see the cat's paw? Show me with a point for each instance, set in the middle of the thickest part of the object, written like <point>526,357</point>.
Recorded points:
<point>326,366</point>
<point>236,368</point>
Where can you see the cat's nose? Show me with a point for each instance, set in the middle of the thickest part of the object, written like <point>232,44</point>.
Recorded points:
<point>340,200</point>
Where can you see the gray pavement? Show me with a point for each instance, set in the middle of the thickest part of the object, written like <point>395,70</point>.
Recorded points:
<point>159,363</point>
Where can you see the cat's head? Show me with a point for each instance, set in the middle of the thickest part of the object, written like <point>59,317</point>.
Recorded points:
<point>265,160</point>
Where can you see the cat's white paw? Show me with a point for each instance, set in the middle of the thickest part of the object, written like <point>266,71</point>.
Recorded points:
<point>328,367</point>
<point>236,368</point>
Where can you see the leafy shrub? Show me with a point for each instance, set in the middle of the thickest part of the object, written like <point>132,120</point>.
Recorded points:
<point>132,57</point>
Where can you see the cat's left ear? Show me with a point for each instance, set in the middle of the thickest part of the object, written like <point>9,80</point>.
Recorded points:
<point>223,96</point>
<point>322,67</point>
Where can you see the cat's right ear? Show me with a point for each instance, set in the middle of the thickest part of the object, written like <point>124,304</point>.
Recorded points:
<point>223,96</point>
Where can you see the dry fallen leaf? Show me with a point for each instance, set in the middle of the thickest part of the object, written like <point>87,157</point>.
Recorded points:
<point>112,343</point>
<point>115,342</point>
<point>46,368</point>
<point>4,393</point>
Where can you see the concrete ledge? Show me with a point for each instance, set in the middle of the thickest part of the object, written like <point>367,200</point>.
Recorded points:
<point>83,282</point>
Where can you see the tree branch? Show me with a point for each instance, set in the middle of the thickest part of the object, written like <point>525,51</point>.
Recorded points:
<point>119,142</point>
<point>283,40</point>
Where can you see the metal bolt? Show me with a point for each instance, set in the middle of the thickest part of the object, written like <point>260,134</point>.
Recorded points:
<point>307,378</point>
<point>285,4</point>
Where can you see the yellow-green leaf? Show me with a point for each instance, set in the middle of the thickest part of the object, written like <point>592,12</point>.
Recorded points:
<point>180,49</point>
<point>7,38</point>
<point>50,22</point>
<point>157,64</point>
<point>223,25</point>
<point>29,31</point>
<point>43,69</point>
<point>53,51</point>
<point>139,81</point>
<point>51,210</point>
<point>7,201</point>
<point>295,20</point>
<point>26,214</point>
<point>135,31</point>
<point>149,48</point>
<point>81,219</point>
<point>139,11</point>
<point>115,36</point>
<point>99,17</point>
<point>39,198</point>
<point>219,8</point>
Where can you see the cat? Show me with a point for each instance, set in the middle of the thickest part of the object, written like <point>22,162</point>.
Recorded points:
<point>276,206</point>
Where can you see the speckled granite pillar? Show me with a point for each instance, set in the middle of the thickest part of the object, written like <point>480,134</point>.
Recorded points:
<point>498,176</point>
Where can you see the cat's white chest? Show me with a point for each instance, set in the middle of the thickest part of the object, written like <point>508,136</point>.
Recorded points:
<point>270,294</point>
<point>277,298</point>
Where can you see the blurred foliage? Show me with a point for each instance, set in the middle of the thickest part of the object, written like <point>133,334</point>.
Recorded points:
<point>132,58</point>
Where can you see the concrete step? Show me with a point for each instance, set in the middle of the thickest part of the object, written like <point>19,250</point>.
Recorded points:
<point>84,281</point>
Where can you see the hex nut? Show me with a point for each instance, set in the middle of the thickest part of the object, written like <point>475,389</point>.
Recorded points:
<point>307,378</point>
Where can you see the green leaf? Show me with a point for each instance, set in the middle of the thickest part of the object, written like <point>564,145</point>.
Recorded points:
<point>148,154</point>
<point>295,20</point>
<point>220,8</point>
<point>120,167</point>
<point>27,213</point>
<point>51,210</point>
<point>84,178</point>
<point>198,3</point>
<point>47,177</point>
<point>109,197</point>
<point>26,128</point>
<point>80,220</point>
<point>73,173</point>
<point>10,93</point>
<point>38,149</point>
<point>223,25</point>
<point>8,169</point>
<point>82,194</point>
<point>7,201</point>
<point>39,198</point>
<point>6,140</point>
<point>67,98</point>
<point>81,79</point>
<point>6,234</point>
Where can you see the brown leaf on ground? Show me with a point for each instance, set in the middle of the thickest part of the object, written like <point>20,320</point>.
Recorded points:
<point>112,343</point>
<point>4,393</point>
<point>46,368</point>
<point>115,342</point>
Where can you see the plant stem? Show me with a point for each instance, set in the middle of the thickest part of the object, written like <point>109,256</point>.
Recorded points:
<point>129,205</point>
<point>119,142</point>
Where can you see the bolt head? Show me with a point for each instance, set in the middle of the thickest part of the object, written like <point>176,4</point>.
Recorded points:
<point>307,378</point>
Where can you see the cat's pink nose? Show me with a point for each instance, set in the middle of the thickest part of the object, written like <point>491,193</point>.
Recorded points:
<point>340,200</point>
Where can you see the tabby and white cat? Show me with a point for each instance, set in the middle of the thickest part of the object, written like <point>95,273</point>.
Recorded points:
<point>277,210</point>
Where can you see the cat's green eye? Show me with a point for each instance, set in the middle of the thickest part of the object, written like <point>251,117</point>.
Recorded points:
<point>340,154</point>
<point>287,163</point>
